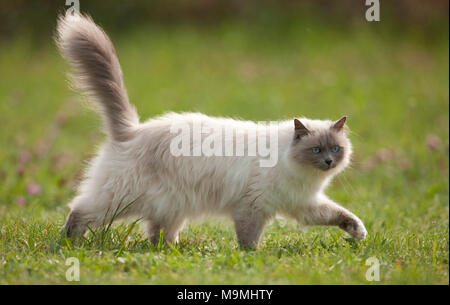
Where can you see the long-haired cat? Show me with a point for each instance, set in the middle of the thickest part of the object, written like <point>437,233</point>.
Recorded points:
<point>136,174</point>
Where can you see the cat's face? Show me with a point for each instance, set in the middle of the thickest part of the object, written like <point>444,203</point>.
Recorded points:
<point>323,148</point>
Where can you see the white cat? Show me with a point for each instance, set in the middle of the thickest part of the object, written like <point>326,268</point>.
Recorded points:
<point>135,173</point>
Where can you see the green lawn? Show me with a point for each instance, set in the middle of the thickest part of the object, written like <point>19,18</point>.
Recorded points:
<point>393,87</point>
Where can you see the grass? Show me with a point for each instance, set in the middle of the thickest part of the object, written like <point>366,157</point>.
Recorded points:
<point>394,87</point>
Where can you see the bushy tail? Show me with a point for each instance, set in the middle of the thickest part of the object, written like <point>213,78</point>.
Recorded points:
<point>97,73</point>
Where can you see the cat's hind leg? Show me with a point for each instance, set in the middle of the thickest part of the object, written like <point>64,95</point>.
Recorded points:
<point>169,228</point>
<point>152,231</point>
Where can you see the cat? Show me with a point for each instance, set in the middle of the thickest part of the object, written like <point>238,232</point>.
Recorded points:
<point>134,173</point>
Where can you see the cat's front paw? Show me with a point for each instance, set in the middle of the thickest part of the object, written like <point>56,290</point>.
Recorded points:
<point>360,232</point>
<point>354,227</point>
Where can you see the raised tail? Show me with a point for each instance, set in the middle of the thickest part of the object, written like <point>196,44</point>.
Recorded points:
<point>97,73</point>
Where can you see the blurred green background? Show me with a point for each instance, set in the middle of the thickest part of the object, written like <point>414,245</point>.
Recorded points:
<point>259,60</point>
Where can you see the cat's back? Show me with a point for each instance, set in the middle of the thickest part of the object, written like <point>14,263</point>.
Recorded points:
<point>204,178</point>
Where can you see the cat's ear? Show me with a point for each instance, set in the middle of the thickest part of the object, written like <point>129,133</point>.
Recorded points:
<point>339,124</point>
<point>300,129</point>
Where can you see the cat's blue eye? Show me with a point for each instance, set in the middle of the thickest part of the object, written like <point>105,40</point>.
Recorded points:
<point>335,149</point>
<point>316,150</point>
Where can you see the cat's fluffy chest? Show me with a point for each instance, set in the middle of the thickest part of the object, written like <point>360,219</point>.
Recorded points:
<point>288,193</point>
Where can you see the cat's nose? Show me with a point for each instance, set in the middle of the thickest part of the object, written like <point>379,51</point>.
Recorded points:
<point>328,161</point>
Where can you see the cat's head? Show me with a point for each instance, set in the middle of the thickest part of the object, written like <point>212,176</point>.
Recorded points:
<point>322,145</point>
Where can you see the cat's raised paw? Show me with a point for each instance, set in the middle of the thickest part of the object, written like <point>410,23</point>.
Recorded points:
<point>355,228</point>
<point>360,233</point>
